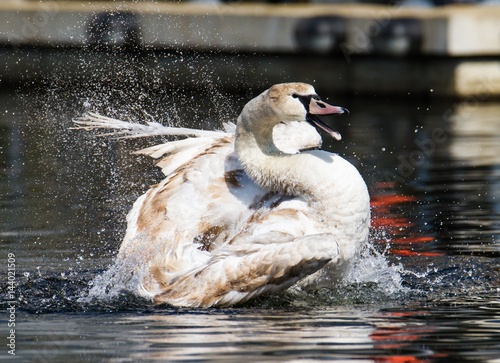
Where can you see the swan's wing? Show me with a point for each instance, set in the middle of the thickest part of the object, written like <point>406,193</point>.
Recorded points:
<point>204,200</point>
<point>236,248</point>
<point>195,195</point>
<point>127,129</point>
<point>173,155</point>
<point>169,156</point>
<point>235,277</point>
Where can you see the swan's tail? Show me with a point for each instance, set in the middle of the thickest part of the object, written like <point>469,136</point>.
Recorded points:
<point>124,129</point>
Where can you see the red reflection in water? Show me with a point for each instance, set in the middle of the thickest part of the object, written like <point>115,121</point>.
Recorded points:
<point>408,252</point>
<point>403,239</point>
<point>394,335</point>
<point>402,359</point>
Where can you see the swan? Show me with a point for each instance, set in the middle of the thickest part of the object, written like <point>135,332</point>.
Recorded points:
<point>245,212</point>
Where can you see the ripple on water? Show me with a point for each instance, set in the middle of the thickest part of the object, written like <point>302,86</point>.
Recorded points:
<point>370,279</point>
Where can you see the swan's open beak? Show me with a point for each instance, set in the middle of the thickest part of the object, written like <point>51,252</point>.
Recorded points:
<point>317,107</point>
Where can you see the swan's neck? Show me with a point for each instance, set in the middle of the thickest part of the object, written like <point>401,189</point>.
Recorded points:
<point>332,187</point>
<point>262,160</point>
<point>310,175</point>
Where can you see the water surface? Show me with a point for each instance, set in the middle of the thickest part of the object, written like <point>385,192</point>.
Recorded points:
<point>427,291</point>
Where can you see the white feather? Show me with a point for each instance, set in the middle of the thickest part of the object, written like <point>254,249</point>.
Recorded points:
<point>124,129</point>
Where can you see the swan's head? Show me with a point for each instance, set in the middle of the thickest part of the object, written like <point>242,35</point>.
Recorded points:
<point>287,102</point>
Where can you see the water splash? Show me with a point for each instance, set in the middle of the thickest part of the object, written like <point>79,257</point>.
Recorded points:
<point>122,277</point>
<point>369,278</point>
<point>374,267</point>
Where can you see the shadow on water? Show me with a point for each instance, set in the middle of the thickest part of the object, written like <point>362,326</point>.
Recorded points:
<point>427,289</point>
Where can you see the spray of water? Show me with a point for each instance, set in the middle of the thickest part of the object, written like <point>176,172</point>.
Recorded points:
<point>134,87</point>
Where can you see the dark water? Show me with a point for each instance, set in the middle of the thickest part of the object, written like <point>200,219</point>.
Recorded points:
<point>428,291</point>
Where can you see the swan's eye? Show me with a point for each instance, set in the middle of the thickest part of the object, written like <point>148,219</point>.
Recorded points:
<point>295,95</point>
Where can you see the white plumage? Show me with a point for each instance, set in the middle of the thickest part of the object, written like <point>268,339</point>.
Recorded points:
<point>246,211</point>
